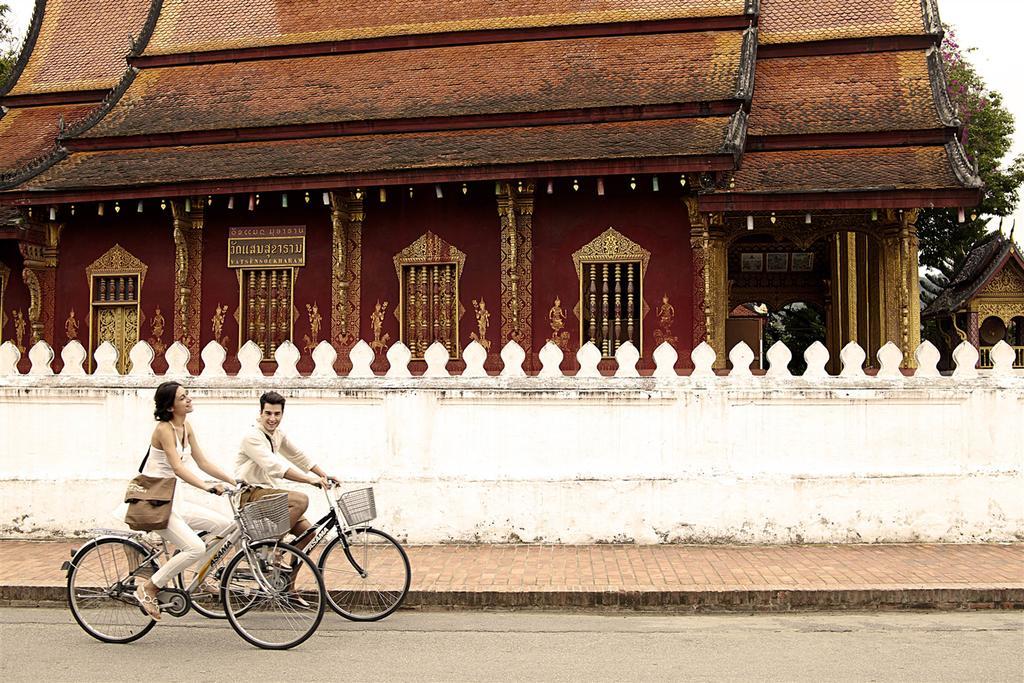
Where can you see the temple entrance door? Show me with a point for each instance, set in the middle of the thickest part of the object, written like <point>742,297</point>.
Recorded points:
<point>118,325</point>
<point>115,292</point>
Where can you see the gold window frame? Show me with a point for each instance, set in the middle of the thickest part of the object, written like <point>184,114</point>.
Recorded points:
<point>240,315</point>
<point>431,250</point>
<point>612,247</point>
<point>116,262</point>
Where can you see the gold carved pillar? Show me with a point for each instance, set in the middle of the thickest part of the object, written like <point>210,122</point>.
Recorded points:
<point>515,208</point>
<point>900,275</point>
<point>710,250</point>
<point>188,274</point>
<point>347,214</point>
<point>39,273</point>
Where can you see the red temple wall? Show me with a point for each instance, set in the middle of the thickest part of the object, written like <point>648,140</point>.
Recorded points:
<point>148,237</point>
<point>468,223</point>
<point>312,284</point>
<point>15,299</point>
<point>565,222</point>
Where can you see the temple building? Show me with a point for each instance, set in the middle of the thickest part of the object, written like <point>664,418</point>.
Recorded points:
<point>593,170</point>
<point>984,302</point>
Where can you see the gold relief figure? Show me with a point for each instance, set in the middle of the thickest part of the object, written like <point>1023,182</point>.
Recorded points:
<point>379,343</point>
<point>313,338</point>
<point>218,324</point>
<point>666,317</point>
<point>556,316</point>
<point>156,332</point>
<point>71,326</point>
<point>19,330</point>
<point>483,319</point>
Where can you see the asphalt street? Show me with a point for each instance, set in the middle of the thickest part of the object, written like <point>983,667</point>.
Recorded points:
<point>44,644</point>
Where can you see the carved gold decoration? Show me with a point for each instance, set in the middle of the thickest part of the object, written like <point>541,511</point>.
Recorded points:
<point>1006,281</point>
<point>217,324</point>
<point>5,274</point>
<point>515,211</point>
<point>347,213</point>
<point>156,332</point>
<point>188,273</point>
<point>39,274</point>
<point>115,316</point>
<point>1004,311</point>
<point>556,318</point>
<point>483,318</point>
<point>611,247</point>
<point>666,320</point>
<point>380,341</point>
<point>71,326</point>
<point>19,330</point>
<point>315,319</point>
<point>429,271</point>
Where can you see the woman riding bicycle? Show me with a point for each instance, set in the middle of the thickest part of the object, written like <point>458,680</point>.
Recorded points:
<point>172,447</point>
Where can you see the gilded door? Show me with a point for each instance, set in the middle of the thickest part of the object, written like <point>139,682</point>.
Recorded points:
<point>118,325</point>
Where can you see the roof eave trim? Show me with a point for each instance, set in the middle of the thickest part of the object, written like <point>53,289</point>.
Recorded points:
<point>944,106</point>
<point>966,171</point>
<point>32,168</point>
<point>753,8</point>
<point>139,44</point>
<point>735,136</point>
<point>930,16</point>
<point>35,25</point>
<point>748,63</point>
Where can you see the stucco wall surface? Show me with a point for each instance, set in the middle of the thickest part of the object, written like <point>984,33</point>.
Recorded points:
<point>563,459</point>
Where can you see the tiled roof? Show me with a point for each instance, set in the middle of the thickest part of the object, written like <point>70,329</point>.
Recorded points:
<point>29,132</point>
<point>798,21</point>
<point>82,45</point>
<point>979,266</point>
<point>382,153</point>
<point>190,26</point>
<point>840,93</point>
<point>837,170</point>
<point>435,82</point>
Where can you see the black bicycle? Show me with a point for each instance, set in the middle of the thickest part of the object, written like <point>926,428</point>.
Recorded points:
<point>366,572</point>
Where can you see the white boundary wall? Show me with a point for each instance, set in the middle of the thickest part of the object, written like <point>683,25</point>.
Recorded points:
<point>567,459</point>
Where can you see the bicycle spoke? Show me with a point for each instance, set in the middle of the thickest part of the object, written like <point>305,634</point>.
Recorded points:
<point>100,586</point>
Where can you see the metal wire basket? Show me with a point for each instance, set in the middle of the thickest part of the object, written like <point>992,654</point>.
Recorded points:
<point>357,506</point>
<point>266,518</point>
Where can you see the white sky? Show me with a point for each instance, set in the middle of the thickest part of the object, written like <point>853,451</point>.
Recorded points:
<point>991,26</point>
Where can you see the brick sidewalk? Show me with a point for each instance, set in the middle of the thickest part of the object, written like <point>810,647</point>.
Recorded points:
<point>652,577</point>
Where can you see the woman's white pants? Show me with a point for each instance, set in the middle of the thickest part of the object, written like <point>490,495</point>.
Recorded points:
<point>185,519</point>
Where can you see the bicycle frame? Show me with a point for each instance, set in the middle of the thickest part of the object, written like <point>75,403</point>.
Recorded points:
<point>333,520</point>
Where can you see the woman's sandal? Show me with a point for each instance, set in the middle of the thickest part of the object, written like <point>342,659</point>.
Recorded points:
<point>148,603</point>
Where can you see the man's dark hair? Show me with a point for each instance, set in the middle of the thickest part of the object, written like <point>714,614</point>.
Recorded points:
<point>163,401</point>
<point>273,398</point>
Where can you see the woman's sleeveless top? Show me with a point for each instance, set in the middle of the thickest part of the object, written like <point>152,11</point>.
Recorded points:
<point>157,465</point>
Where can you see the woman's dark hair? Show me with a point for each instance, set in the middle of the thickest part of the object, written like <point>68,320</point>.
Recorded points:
<point>164,401</point>
<point>273,398</point>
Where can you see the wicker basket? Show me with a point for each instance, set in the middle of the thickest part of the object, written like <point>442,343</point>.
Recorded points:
<point>266,518</point>
<point>357,506</point>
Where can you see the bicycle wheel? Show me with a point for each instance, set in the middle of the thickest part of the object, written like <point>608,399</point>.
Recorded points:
<point>101,584</point>
<point>273,595</point>
<point>370,580</point>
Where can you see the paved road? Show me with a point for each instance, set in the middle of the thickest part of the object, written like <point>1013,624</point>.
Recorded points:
<point>46,645</point>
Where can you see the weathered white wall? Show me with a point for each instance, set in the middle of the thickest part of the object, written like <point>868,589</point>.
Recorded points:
<point>753,460</point>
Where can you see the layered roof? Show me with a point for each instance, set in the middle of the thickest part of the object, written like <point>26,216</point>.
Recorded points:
<point>189,26</point>
<point>73,56</point>
<point>989,256</point>
<point>848,99</point>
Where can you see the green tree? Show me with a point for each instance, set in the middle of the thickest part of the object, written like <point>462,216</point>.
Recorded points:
<point>7,54</point>
<point>987,131</point>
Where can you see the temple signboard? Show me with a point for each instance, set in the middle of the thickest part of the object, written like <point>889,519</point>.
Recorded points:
<point>267,246</point>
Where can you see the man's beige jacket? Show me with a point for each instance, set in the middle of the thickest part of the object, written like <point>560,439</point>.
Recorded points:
<point>264,458</point>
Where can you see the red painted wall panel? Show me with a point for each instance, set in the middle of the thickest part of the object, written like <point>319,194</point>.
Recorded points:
<point>15,299</point>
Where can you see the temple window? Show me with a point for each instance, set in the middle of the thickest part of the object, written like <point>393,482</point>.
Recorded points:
<point>267,296</point>
<point>115,293</point>
<point>429,307</point>
<point>428,310</point>
<point>611,272</point>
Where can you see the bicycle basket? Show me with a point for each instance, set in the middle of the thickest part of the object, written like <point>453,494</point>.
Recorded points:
<point>266,518</point>
<point>357,506</point>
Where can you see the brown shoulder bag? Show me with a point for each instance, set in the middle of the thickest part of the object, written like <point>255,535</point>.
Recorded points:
<point>149,500</point>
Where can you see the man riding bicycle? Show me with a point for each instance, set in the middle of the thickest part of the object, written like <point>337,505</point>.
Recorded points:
<point>267,455</point>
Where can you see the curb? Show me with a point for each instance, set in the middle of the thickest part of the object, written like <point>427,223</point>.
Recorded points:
<point>769,600</point>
